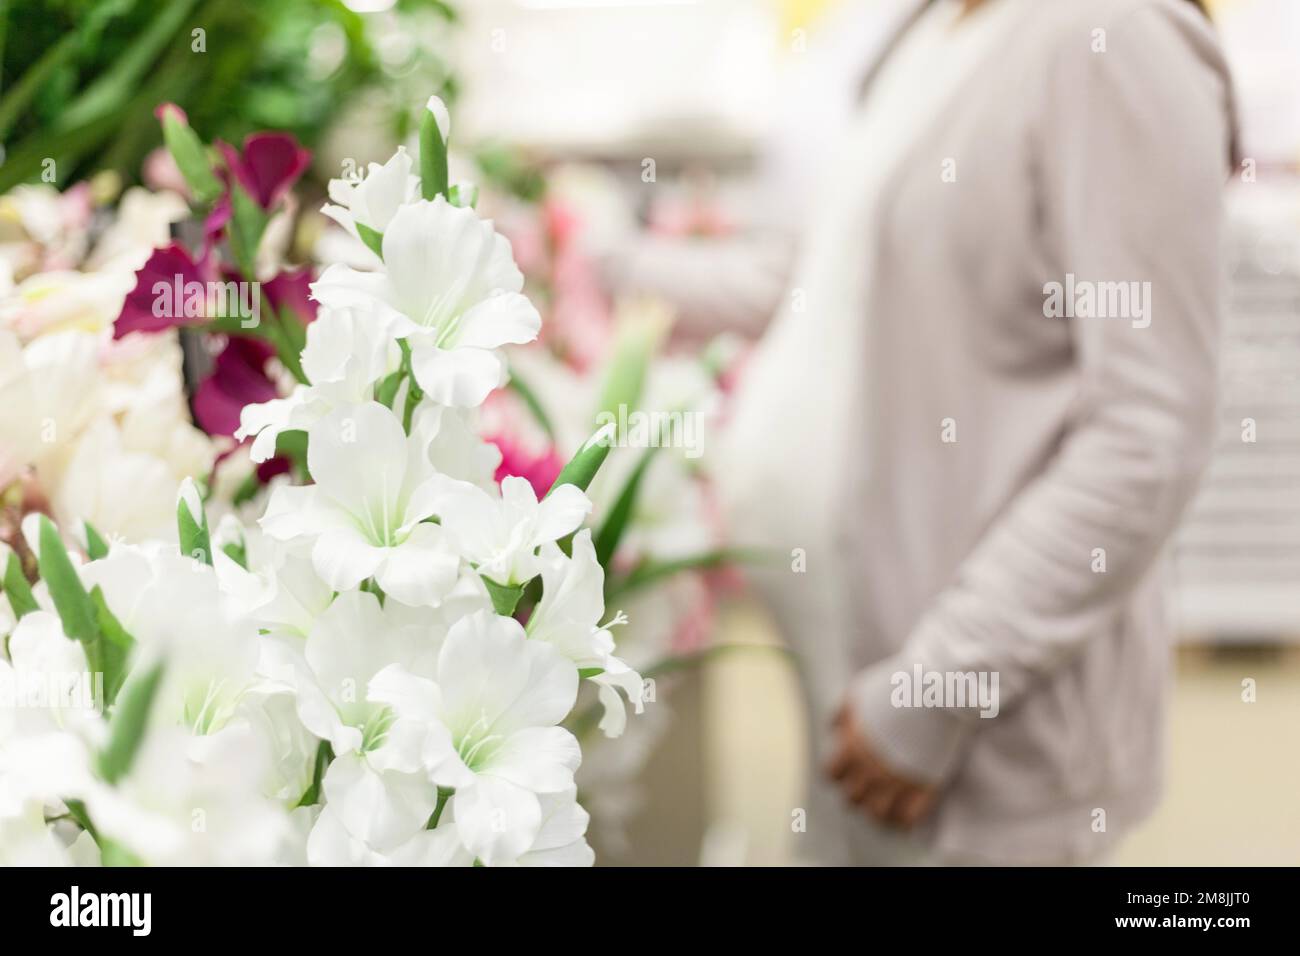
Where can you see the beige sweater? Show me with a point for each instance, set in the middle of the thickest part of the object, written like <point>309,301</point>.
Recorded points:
<point>1018,459</point>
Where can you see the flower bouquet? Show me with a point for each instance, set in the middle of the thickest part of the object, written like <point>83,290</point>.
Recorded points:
<point>378,671</point>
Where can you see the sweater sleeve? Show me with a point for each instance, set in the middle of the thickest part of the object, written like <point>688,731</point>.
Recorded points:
<point>1130,152</point>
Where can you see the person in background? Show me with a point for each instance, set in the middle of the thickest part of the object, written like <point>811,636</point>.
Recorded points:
<point>985,399</point>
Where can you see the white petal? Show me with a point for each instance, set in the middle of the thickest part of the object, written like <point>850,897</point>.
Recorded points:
<point>357,456</point>
<point>461,377</point>
<point>504,319</point>
<point>381,809</point>
<point>497,820</point>
<point>421,570</point>
<point>560,512</point>
<point>541,759</point>
<point>488,668</point>
<point>344,558</point>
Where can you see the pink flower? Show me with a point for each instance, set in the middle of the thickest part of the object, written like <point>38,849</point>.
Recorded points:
<point>268,166</point>
<point>539,470</point>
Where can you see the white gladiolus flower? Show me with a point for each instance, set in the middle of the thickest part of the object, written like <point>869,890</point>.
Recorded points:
<point>195,800</point>
<point>373,201</point>
<point>344,356</point>
<point>366,512</point>
<point>501,534</point>
<point>568,618</point>
<point>486,726</point>
<point>451,288</point>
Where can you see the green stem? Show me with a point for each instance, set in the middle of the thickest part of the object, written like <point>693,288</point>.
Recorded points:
<point>444,794</point>
<point>414,394</point>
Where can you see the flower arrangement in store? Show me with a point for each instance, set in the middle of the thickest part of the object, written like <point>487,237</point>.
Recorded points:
<point>379,668</point>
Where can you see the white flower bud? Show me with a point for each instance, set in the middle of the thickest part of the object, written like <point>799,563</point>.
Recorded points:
<point>439,110</point>
<point>189,493</point>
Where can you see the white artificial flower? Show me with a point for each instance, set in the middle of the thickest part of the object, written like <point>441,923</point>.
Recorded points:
<point>49,391</point>
<point>195,800</point>
<point>561,839</point>
<point>142,224</point>
<point>373,201</point>
<point>568,616</point>
<point>451,288</point>
<point>345,355</point>
<point>279,591</point>
<point>486,727</point>
<point>173,608</point>
<point>47,684</point>
<point>374,488</point>
<point>348,645</point>
<point>501,533</point>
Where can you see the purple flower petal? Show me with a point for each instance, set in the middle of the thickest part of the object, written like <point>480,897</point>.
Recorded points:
<point>291,289</point>
<point>157,302</point>
<point>268,166</point>
<point>239,378</point>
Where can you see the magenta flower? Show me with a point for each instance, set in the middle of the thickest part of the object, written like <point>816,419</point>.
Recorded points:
<point>158,301</point>
<point>291,289</point>
<point>239,378</point>
<point>539,470</point>
<point>268,166</point>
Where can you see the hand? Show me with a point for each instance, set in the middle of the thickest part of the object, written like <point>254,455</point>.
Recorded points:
<point>882,794</point>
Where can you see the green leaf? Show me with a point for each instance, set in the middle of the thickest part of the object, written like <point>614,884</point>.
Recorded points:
<point>75,608</point>
<point>96,546</point>
<point>634,349</point>
<point>433,158</point>
<point>247,223</point>
<point>111,90</point>
<point>191,156</point>
<point>386,390</point>
<point>583,466</point>
<point>372,238</point>
<point>20,94</point>
<point>324,754</point>
<point>126,728</point>
<point>504,598</point>
<point>16,587</point>
<point>236,552</point>
<point>611,532</point>
<point>194,538</point>
<point>650,572</point>
<point>112,652</point>
<point>586,672</point>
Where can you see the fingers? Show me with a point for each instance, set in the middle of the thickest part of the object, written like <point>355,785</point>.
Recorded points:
<point>867,783</point>
<point>911,806</point>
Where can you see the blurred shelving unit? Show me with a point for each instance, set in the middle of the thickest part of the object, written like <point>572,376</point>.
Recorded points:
<point>1238,556</point>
